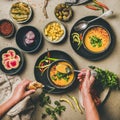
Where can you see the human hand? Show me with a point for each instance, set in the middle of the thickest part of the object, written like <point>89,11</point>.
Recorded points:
<point>20,92</point>
<point>86,81</point>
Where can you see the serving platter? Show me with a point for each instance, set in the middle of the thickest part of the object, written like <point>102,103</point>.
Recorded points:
<point>85,53</point>
<point>43,77</point>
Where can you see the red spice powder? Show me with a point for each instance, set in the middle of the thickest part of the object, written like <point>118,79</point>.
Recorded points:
<point>6,28</point>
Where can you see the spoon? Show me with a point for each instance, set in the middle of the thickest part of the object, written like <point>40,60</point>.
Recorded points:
<point>83,24</point>
<point>75,2</point>
<point>67,70</point>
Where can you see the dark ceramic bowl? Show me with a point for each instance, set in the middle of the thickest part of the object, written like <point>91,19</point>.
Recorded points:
<point>95,40</point>
<point>21,36</point>
<point>8,57</point>
<point>50,79</point>
<point>7,28</point>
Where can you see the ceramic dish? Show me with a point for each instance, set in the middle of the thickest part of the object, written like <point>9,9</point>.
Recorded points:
<point>42,77</point>
<point>63,12</point>
<point>29,39</point>
<point>96,39</point>
<point>77,44</point>
<point>60,80</point>
<point>54,32</point>
<point>21,12</point>
<point>7,28</point>
<point>11,60</point>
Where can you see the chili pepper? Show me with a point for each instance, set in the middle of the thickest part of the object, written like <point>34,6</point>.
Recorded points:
<point>81,36</point>
<point>101,8</point>
<point>76,38</point>
<point>101,4</point>
<point>92,7</point>
<point>67,101</point>
<point>76,102</point>
<point>48,55</point>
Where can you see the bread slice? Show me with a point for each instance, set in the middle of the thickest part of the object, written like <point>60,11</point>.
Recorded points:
<point>35,85</point>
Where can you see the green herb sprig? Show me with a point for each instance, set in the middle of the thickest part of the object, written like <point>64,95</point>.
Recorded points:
<point>95,41</point>
<point>50,110</point>
<point>105,79</point>
<point>60,76</point>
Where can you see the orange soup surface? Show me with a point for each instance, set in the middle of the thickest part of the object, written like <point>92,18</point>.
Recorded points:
<point>97,39</point>
<point>61,79</point>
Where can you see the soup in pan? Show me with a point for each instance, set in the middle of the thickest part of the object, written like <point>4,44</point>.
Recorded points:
<point>60,78</point>
<point>97,39</point>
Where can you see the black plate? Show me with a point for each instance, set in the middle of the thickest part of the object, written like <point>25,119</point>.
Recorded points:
<point>21,63</point>
<point>82,51</point>
<point>20,37</point>
<point>43,79</point>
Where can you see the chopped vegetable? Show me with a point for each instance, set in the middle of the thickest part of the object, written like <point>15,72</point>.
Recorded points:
<point>54,31</point>
<point>67,101</point>
<point>77,38</point>
<point>45,63</point>
<point>60,76</point>
<point>95,41</point>
<point>20,11</point>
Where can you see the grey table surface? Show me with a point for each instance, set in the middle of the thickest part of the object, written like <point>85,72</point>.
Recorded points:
<point>110,110</point>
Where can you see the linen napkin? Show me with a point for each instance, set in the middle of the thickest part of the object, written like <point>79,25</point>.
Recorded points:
<point>24,109</point>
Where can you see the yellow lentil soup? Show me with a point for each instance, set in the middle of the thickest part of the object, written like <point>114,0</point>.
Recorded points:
<point>60,79</point>
<point>97,39</point>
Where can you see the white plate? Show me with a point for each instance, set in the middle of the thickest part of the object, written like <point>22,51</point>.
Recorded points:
<point>103,96</point>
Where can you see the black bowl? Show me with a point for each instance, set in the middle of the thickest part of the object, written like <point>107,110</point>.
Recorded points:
<point>94,34</point>
<point>50,79</point>
<point>21,36</point>
<point>7,28</point>
<point>9,57</point>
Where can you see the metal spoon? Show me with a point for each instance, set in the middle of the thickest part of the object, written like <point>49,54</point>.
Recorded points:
<point>83,24</point>
<point>68,70</point>
<point>76,2</point>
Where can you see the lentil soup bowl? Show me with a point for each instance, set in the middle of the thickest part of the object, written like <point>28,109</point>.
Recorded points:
<point>96,39</point>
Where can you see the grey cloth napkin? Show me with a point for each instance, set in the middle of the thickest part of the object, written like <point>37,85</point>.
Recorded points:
<point>24,109</point>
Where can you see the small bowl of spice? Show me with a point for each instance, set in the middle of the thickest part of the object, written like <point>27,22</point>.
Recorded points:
<point>7,28</point>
